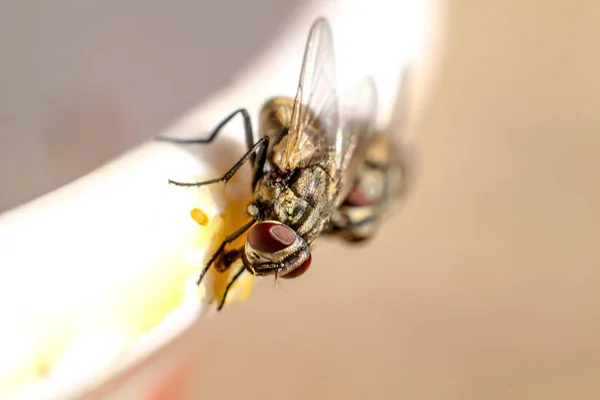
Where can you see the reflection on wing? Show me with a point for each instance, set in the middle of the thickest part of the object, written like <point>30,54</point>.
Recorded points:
<point>314,123</point>
<point>359,107</point>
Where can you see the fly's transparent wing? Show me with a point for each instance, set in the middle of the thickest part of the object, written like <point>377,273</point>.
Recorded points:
<point>359,108</point>
<point>314,124</point>
<point>404,154</point>
<point>398,120</point>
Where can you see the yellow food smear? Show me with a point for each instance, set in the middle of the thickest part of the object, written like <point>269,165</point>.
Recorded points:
<point>199,216</point>
<point>232,218</point>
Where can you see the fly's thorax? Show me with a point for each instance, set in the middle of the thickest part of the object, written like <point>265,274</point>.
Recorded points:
<point>273,248</point>
<point>302,199</point>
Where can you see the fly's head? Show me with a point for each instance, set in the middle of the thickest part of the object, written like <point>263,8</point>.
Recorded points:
<point>273,248</point>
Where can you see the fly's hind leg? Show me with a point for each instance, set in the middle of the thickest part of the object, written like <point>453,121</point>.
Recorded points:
<point>251,144</point>
<point>261,146</point>
<point>250,140</point>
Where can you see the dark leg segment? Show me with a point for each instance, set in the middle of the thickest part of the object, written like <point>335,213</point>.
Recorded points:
<point>250,140</point>
<point>259,166</point>
<point>229,257</point>
<point>235,278</point>
<point>262,145</point>
<point>230,238</point>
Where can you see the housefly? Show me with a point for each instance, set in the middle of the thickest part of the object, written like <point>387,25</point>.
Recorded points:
<point>378,165</point>
<point>299,170</point>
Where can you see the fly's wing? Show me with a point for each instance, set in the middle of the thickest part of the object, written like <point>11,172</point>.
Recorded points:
<point>359,107</point>
<point>314,124</point>
<point>404,154</point>
<point>398,120</point>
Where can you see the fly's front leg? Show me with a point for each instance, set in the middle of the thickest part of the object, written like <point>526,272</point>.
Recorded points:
<point>230,238</point>
<point>229,257</point>
<point>229,285</point>
<point>261,146</point>
<point>259,163</point>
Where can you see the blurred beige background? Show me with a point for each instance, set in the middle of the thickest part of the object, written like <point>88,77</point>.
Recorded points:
<point>483,286</point>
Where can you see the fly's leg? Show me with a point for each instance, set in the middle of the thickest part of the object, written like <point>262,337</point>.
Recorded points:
<point>230,238</point>
<point>259,164</point>
<point>261,145</point>
<point>250,140</point>
<point>229,285</point>
<point>229,257</point>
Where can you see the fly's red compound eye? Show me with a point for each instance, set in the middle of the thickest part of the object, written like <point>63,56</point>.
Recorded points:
<point>300,270</point>
<point>357,198</point>
<point>270,237</point>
